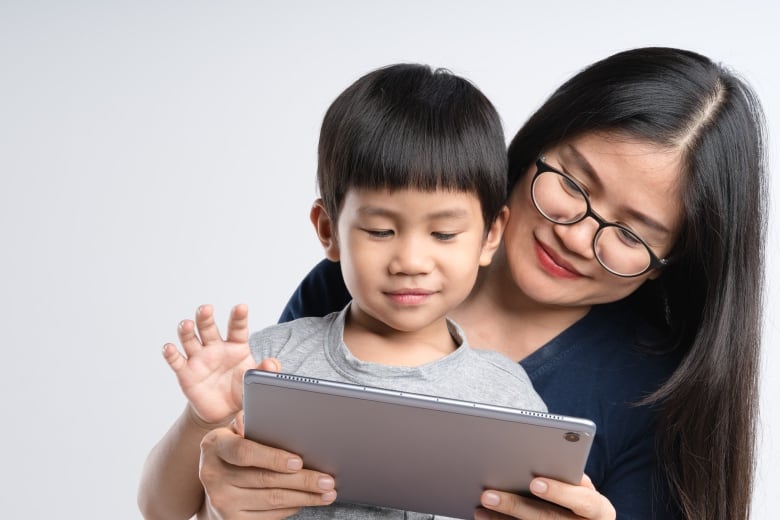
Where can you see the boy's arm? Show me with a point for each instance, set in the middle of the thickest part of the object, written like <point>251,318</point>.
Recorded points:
<point>211,377</point>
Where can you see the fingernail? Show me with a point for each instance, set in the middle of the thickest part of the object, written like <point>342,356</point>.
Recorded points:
<point>538,486</point>
<point>330,496</point>
<point>294,464</point>
<point>481,514</point>
<point>326,483</point>
<point>491,499</point>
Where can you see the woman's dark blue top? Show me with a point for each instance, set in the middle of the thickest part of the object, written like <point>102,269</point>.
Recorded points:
<point>594,369</point>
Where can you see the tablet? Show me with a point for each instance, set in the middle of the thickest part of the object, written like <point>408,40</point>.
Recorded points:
<point>411,451</point>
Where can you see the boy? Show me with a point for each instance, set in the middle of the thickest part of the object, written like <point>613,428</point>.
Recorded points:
<point>412,174</point>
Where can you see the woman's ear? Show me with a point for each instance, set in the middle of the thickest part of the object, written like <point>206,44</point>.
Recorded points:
<point>493,237</point>
<point>325,229</point>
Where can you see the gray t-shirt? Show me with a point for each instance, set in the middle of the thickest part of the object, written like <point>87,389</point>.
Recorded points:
<point>315,347</point>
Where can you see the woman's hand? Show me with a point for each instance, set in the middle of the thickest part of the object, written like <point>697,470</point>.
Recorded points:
<point>244,479</point>
<point>573,502</point>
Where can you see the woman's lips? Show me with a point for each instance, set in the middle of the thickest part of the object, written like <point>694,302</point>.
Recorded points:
<point>554,265</point>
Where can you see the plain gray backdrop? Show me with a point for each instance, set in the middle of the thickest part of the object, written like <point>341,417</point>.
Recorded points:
<point>160,155</point>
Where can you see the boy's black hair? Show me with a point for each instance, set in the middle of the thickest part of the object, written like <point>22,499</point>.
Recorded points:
<point>409,126</point>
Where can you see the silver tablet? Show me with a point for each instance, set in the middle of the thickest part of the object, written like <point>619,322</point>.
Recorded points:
<point>410,451</point>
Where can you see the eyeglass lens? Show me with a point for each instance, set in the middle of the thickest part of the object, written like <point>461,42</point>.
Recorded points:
<point>561,201</point>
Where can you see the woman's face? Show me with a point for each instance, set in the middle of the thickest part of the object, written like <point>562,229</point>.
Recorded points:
<point>630,182</point>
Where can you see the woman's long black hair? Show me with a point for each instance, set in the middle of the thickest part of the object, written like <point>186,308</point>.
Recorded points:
<point>710,298</point>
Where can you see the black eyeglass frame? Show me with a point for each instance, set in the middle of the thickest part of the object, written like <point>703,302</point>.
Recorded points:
<point>655,262</point>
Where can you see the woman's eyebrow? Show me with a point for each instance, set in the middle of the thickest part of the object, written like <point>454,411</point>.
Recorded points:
<point>587,169</point>
<point>583,165</point>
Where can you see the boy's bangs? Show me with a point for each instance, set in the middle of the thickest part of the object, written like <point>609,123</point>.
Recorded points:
<point>421,155</point>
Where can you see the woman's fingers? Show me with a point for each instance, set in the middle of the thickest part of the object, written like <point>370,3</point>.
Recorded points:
<point>241,476</point>
<point>241,453</point>
<point>583,500</point>
<point>311,484</point>
<point>561,501</point>
<point>501,505</point>
<point>238,451</point>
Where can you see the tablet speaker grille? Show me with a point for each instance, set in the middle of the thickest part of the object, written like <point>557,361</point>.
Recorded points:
<point>297,378</point>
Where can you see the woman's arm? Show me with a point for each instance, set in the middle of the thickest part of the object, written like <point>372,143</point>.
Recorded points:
<point>241,476</point>
<point>236,474</point>
<point>169,486</point>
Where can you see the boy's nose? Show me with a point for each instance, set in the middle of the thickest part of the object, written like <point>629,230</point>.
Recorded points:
<point>410,258</point>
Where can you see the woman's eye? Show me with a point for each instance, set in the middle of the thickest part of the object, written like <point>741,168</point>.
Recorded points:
<point>379,233</point>
<point>629,238</point>
<point>443,236</point>
<point>570,187</point>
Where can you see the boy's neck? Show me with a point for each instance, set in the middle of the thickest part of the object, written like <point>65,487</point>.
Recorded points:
<point>372,341</point>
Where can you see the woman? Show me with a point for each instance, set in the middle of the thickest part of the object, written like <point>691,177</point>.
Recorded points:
<point>629,287</point>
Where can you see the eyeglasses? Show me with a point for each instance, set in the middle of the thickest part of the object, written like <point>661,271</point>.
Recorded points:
<point>561,200</point>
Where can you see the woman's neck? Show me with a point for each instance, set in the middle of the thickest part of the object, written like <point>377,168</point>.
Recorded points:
<point>498,316</point>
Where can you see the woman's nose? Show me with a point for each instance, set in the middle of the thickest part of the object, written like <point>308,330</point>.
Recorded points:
<point>578,238</point>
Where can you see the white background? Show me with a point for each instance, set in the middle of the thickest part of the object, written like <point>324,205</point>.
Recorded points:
<point>159,155</point>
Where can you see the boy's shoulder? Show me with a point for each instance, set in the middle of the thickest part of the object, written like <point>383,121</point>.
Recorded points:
<point>487,359</point>
<point>301,327</point>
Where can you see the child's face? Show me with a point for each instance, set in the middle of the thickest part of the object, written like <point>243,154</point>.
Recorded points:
<point>409,256</point>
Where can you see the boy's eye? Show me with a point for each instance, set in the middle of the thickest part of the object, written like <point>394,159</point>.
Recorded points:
<point>379,233</point>
<point>443,236</point>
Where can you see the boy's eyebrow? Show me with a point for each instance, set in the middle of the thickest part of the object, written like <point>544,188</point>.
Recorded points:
<point>455,212</point>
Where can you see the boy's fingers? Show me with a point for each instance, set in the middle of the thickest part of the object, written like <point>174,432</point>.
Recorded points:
<point>207,327</point>
<point>270,365</point>
<point>174,358</point>
<point>238,324</point>
<point>189,341</point>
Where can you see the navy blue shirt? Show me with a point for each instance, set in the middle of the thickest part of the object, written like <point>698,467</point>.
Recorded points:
<point>594,369</point>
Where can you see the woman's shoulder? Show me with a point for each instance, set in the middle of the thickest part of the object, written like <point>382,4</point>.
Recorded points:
<point>321,292</point>
<point>611,355</point>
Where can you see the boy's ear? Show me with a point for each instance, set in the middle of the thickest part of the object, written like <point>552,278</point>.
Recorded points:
<point>493,238</point>
<point>325,229</point>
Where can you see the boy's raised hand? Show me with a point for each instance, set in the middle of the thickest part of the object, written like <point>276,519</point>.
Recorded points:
<point>212,371</point>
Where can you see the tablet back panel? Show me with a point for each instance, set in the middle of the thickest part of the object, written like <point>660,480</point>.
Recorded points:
<point>410,451</point>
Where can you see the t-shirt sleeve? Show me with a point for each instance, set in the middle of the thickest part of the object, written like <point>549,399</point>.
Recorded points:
<point>321,292</point>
